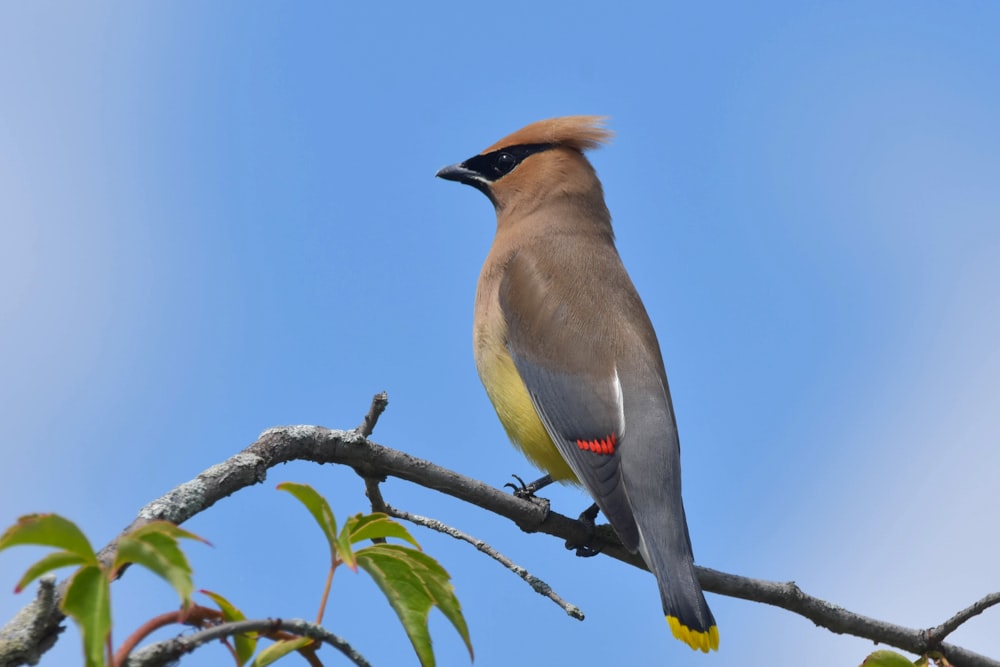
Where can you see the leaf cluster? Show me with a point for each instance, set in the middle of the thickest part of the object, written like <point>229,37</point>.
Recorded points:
<point>412,582</point>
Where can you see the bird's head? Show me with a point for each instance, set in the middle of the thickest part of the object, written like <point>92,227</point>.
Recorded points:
<point>536,164</point>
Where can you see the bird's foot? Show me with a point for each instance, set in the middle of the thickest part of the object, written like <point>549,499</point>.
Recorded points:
<point>527,491</point>
<point>587,549</point>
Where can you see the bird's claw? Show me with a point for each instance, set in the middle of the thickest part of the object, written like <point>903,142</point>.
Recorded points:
<point>518,488</point>
<point>527,491</point>
<point>587,549</point>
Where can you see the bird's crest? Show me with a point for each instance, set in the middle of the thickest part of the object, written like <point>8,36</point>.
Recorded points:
<point>582,133</point>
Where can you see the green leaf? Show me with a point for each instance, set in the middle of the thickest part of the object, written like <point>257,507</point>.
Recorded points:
<point>279,650</point>
<point>246,643</point>
<point>88,602</point>
<point>53,561</point>
<point>155,547</point>
<point>320,509</point>
<point>413,582</point>
<point>886,658</point>
<point>49,530</point>
<point>346,550</point>
<point>371,526</point>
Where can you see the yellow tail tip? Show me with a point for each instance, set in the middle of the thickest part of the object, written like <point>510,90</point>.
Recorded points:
<point>696,639</point>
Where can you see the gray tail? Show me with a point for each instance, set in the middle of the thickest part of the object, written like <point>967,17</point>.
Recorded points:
<point>668,555</point>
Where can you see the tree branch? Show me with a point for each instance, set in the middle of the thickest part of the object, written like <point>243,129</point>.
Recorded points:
<point>169,651</point>
<point>536,584</point>
<point>937,634</point>
<point>34,629</point>
<point>40,622</point>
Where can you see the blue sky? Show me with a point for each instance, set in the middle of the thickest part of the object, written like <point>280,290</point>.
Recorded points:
<point>220,218</point>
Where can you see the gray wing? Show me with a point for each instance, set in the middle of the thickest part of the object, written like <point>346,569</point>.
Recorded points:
<point>569,371</point>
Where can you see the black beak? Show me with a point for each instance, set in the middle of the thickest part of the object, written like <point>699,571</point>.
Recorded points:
<point>462,174</point>
<point>458,172</point>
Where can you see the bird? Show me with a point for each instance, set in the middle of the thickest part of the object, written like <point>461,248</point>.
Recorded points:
<point>568,355</point>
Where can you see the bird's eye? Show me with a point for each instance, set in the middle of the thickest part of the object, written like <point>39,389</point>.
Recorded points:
<point>505,162</point>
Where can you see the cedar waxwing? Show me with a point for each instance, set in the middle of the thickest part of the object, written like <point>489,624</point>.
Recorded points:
<point>569,357</point>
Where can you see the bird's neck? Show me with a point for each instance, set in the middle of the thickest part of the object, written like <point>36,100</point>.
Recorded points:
<point>556,216</point>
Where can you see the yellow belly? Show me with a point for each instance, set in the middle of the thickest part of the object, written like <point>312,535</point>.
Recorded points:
<point>516,412</point>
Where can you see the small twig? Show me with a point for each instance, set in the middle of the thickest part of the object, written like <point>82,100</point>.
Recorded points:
<point>537,584</point>
<point>374,494</point>
<point>168,651</point>
<point>379,403</point>
<point>372,490</point>
<point>937,634</point>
